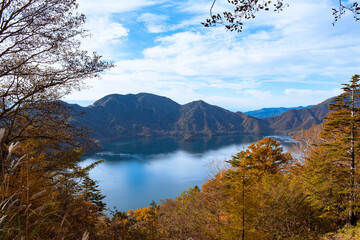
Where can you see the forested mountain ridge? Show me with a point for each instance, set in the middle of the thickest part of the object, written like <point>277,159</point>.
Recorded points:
<point>201,118</point>
<point>270,112</point>
<point>142,115</point>
<point>295,120</point>
<point>121,116</point>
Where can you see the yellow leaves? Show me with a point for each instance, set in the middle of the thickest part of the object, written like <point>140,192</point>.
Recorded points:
<point>144,214</point>
<point>264,156</point>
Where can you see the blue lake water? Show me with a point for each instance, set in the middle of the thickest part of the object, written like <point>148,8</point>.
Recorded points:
<point>137,171</point>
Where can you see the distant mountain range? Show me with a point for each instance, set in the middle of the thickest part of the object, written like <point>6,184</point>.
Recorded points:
<point>269,112</point>
<point>123,116</point>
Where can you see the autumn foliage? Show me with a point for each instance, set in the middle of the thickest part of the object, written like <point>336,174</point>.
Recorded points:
<point>266,193</point>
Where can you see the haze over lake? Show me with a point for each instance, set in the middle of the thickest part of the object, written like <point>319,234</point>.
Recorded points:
<point>137,171</point>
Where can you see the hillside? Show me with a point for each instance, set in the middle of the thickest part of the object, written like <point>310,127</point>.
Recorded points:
<point>295,120</point>
<point>200,118</point>
<point>121,116</point>
<point>270,112</point>
<point>140,115</point>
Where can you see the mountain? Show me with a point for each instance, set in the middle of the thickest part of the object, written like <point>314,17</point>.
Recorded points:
<point>201,118</point>
<point>121,116</point>
<point>254,125</point>
<point>295,120</point>
<point>140,115</point>
<point>270,112</point>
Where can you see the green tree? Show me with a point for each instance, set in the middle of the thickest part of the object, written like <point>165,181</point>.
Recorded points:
<point>92,193</point>
<point>332,168</point>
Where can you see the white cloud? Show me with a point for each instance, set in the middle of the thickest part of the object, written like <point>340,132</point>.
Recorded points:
<point>257,55</point>
<point>299,45</point>
<point>202,7</point>
<point>105,31</point>
<point>310,92</point>
<point>154,23</point>
<point>97,7</point>
<point>106,35</point>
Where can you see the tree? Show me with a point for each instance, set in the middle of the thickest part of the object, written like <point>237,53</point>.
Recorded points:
<point>282,209</point>
<point>332,168</point>
<point>193,214</point>
<point>92,192</point>
<point>247,9</point>
<point>249,167</point>
<point>343,126</point>
<point>40,194</point>
<point>40,61</point>
<point>264,156</point>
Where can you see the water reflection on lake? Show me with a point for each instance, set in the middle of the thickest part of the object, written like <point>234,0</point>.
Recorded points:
<point>137,171</point>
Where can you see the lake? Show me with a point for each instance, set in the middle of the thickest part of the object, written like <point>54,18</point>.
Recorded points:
<point>137,171</point>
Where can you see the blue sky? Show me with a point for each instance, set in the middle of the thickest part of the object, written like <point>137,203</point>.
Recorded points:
<point>293,58</point>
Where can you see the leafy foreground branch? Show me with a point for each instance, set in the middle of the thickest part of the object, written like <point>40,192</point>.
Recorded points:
<point>243,10</point>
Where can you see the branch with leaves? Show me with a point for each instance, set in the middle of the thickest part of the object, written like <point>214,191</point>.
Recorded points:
<point>40,57</point>
<point>243,9</point>
<point>354,8</point>
<point>247,9</point>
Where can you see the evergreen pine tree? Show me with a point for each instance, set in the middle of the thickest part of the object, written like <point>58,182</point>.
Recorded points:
<point>92,193</point>
<point>332,169</point>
